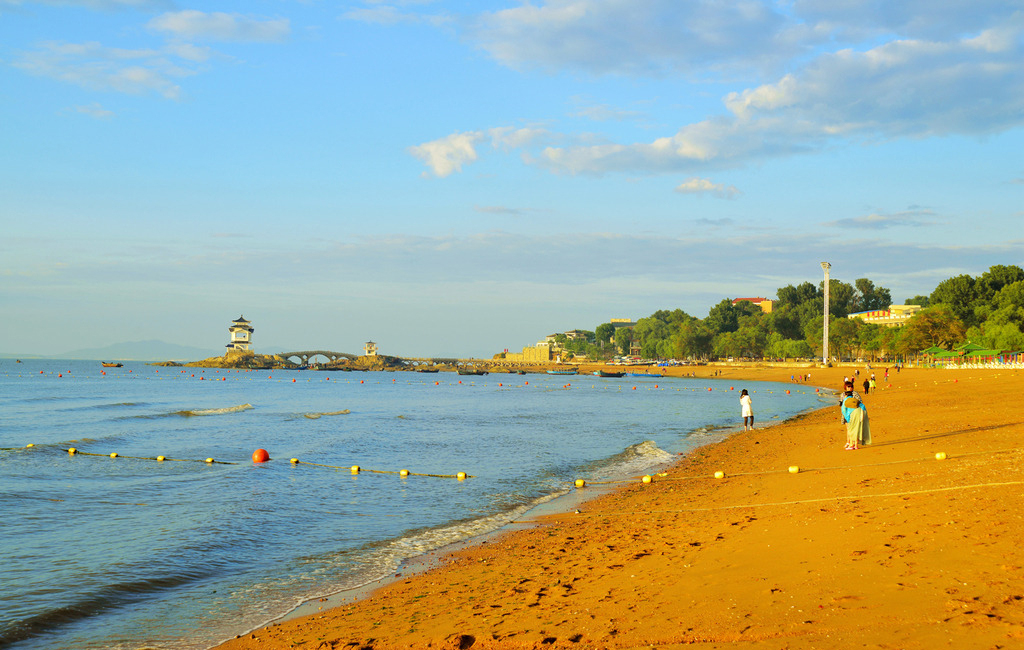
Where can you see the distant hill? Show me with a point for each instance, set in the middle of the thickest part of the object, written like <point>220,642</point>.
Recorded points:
<point>141,351</point>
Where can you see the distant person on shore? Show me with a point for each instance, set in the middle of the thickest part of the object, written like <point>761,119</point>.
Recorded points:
<point>746,410</point>
<point>855,415</point>
<point>867,386</point>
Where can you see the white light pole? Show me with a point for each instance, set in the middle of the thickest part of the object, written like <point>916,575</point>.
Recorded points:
<point>825,266</point>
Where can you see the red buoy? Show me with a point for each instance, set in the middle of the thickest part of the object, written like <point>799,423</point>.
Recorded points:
<point>260,456</point>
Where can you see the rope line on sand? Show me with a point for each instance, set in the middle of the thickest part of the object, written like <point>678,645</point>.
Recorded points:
<point>666,477</point>
<point>792,503</point>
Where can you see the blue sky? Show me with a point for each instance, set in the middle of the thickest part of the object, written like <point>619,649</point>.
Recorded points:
<point>457,178</point>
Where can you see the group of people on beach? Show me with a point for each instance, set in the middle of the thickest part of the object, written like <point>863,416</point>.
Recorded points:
<point>851,408</point>
<point>855,415</point>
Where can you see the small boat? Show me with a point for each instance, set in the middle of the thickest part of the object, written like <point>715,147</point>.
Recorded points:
<point>111,364</point>
<point>573,371</point>
<point>608,373</point>
<point>426,370</point>
<point>471,371</point>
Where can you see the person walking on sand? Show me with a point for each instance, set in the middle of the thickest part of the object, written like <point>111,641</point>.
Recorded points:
<point>855,415</point>
<point>867,386</point>
<point>746,410</point>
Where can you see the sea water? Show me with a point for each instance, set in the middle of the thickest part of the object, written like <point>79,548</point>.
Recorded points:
<point>130,552</point>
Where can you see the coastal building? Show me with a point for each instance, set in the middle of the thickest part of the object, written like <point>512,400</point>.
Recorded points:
<point>621,322</point>
<point>894,316</point>
<point>370,349</point>
<point>241,336</point>
<point>540,353</point>
<point>765,304</point>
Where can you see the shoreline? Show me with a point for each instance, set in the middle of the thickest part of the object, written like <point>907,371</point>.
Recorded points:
<point>863,558</point>
<point>555,504</point>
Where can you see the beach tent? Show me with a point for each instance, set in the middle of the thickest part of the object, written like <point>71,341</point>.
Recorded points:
<point>968,347</point>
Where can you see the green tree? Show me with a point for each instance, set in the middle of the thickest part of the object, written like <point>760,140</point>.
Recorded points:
<point>796,296</point>
<point>959,294</point>
<point>937,325</point>
<point>693,340</point>
<point>605,332</point>
<point>623,339</point>
<point>868,297</point>
<point>992,281</point>
<point>723,317</point>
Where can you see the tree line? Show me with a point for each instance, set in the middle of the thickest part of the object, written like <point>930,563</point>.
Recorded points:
<point>987,310</point>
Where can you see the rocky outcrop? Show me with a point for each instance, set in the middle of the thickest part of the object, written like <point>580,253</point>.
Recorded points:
<point>244,361</point>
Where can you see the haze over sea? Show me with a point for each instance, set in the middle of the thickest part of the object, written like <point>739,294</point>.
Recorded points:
<point>103,552</point>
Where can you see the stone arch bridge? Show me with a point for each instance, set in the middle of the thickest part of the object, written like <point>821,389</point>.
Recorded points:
<point>305,357</point>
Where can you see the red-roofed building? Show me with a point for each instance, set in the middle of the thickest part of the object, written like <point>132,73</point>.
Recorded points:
<point>764,303</point>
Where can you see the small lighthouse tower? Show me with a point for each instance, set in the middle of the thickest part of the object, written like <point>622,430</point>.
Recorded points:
<point>241,337</point>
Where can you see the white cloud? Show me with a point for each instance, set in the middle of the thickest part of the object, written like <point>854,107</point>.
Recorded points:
<point>704,186</point>
<point>899,89</point>
<point>393,13</point>
<point>448,154</point>
<point>218,26</point>
<point>606,113</point>
<point>932,19</point>
<point>95,110</point>
<point>97,67</point>
<point>915,218</point>
<point>638,36</point>
<point>93,4</point>
<point>497,209</point>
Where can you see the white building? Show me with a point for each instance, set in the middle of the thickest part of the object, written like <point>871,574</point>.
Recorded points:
<point>241,336</point>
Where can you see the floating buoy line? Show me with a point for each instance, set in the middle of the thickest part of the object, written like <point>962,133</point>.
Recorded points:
<point>259,456</point>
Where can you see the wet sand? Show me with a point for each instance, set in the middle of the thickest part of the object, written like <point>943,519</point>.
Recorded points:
<point>883,547</point>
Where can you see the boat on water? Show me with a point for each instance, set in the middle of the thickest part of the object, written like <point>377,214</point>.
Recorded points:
<point>471,371</point>
<point>572,371</point>
<point>113,364</point>
<point>426,370</point>
<point>608,373</point>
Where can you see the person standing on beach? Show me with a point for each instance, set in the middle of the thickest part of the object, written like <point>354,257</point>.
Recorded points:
<point>867,386</point>
<point>746,410</point>
<point>855,415</point>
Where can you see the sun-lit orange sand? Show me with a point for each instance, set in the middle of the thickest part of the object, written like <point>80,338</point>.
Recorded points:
<point>883,547</point>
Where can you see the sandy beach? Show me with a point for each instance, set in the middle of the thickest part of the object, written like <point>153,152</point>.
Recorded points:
<point>883,547</point>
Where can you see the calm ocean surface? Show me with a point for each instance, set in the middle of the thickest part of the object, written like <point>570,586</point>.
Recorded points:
<point>101,552</point>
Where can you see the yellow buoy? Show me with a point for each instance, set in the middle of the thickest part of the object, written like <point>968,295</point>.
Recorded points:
<point>209,460</point>
<point>72,451</point>
<point>646,479</point>
<point>580,482</point>
<point>161,458</point>
<point>354,469</point>
<point>403,472</point>
<point>719,474</point>
<point>113,454</point>
<point>940,456</point>
<point>793,469</point>
<point>461,476</point>
<point>31,444</point>
<point>294,461</point>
